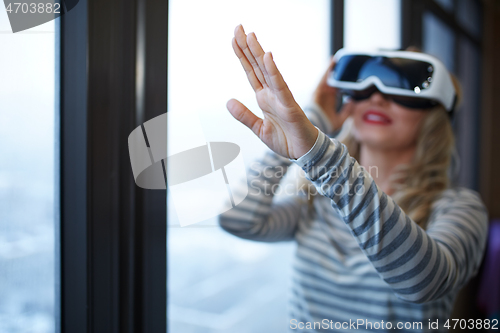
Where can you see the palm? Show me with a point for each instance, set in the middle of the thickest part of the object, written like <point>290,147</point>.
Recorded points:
<point>285,128</point>
<point>275,113</point>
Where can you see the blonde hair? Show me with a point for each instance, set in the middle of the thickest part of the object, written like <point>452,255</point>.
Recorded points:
<point>417,185</point>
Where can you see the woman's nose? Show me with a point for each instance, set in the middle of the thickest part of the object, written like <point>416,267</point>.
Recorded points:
<point>379,98</point>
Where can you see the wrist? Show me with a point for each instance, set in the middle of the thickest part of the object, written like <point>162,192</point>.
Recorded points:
<point>312,154</point>
<point>309,144</point>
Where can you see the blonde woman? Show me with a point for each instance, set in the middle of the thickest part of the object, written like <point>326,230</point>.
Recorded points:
<point>388,243</point>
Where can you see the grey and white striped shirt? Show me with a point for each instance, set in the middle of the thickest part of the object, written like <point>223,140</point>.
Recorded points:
<point>359,256</point>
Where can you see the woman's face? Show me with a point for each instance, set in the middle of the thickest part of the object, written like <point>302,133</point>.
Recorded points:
<point>381,123</point>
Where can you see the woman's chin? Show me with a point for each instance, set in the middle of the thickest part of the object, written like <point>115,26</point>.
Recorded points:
<point>376,138</point>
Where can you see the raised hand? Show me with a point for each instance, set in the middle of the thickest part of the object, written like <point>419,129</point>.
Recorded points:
<point>285,128</point>
<point>325,97</point>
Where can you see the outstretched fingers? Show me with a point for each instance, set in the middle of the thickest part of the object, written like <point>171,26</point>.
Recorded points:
<point>241,113</point>
<point>252,78</point>
<point>241,40</point>
<point>278,83</point>
<point>258,54</point>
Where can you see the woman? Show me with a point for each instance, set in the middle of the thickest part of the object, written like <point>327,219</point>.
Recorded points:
<point>395,244</point>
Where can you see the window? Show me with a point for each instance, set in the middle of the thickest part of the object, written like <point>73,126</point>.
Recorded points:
<point>446,4</point>
<point>439,40</point>
<point>28,178</point>
<point>217,282</point>
<point>450,30</point>
<point>372,24</point>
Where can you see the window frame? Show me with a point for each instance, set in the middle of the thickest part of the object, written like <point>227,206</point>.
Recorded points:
<point>412,13</point>
<point>113,268</point>
<point>337,25</point>
<point>411,25</point>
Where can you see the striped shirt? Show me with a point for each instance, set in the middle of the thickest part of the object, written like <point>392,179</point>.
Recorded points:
<point>360,259</point>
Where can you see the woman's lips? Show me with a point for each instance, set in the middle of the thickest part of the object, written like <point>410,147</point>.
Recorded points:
<point>375,117</point>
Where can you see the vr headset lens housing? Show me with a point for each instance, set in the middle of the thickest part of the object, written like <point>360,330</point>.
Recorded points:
<point>415,80</point>
<point>409,102</point>
<point>399,73</point>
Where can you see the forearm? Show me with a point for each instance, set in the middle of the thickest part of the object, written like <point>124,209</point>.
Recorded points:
<point>418,267</point>
<point>259,216</point>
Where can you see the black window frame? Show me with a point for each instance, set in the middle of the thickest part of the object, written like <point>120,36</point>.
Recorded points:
<point>113,271</point>
<point>336,25</point>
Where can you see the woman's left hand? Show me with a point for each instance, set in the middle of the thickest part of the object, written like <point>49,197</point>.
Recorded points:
<point>325,97</point>
<point>285,128</point>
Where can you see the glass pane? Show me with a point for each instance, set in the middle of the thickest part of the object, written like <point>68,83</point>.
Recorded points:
<point>216,281</point>
<point>467,117</point>
<point>372,24</point>
<point>438,40</point>
<point>27,178</point>
<point>446,4</point>
<point>469,16</point>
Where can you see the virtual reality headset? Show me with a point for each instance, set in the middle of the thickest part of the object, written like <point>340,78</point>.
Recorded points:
<point>412,79</point>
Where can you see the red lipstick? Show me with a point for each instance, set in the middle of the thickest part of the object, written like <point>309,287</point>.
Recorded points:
<point>376,117</point>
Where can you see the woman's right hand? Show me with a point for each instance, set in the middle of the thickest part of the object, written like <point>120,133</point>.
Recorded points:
<point>285,127</point>
<point>325,97</point>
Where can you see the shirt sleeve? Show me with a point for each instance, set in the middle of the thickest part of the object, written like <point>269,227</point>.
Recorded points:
<point>419,265</point>
<point>260,216</point>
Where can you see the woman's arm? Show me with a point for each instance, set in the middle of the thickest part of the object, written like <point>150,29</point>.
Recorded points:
<point>419,266</point>
<point>260,216</point>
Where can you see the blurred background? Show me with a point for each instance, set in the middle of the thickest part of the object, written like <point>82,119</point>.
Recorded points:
<point>226,273</point>
<point>28,177</point>
<point>215,282</point>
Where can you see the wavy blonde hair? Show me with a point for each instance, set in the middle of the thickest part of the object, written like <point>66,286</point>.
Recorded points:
<point>416,185</point>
